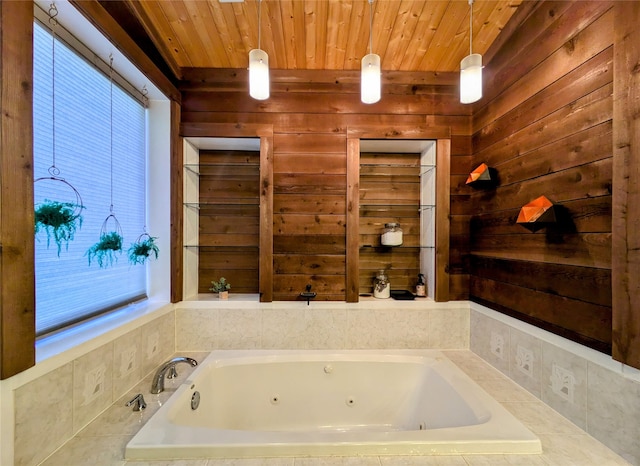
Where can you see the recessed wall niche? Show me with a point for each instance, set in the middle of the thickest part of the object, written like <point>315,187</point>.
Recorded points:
<point>397,185</point>
<point>221,214</point>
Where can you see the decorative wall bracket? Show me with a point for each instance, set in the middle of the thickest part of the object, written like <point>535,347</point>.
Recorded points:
<point>483,177</point>
<point>537,214</point>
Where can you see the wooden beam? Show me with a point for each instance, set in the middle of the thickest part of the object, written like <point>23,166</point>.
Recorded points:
<point>156,37</point>
<point>98,16</point>
<point>204,78</point>
<point>353,219</point>
<point>266,219</point>
<point>17,275</point>
<point>443,211</point>
<point>177,208</point>
<point>625,267</point>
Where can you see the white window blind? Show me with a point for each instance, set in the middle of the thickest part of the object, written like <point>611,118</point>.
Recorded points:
<point>68,289</point>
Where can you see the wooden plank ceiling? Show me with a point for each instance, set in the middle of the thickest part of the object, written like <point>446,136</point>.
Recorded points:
<point>409,35</point>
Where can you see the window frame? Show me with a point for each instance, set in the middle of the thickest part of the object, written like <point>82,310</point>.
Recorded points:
<point>157,121</point>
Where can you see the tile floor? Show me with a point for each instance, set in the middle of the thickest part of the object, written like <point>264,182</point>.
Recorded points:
<point>102,442</point>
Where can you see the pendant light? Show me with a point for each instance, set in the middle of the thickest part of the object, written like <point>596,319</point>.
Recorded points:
<point>471,70</point>
<point>259,68</point>
<point>370,74</point>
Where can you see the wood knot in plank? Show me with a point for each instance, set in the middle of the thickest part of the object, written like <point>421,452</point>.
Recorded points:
<point>570,45</point>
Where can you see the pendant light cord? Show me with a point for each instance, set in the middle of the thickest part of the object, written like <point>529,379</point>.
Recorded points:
<point>53,12</point>
<point>470,27</point>
<point>111,128</point>
<point>259,20</point>
<point>370,27</point>
<point>145,102</point>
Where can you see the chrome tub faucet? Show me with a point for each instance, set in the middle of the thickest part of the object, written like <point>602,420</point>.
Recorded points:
<point>157,385</point>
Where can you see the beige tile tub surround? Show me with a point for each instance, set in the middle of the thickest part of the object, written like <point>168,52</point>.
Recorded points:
<point>92,385</point>
<point>490,339</point>
<point>127,361</point>
<point>597,394</point>
<point>525,361</point>
<point>52,408</point>
<point>612,400</point>
<point>44,405</point>
<point>369,324</point>
<point>104,440</point>
<point>197,328</point>
<point>564,383</point>
<point>157,342</point>
<point>613,411</point>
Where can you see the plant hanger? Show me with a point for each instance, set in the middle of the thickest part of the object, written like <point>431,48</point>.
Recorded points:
<point>145,246</point>
<point>110,243</point>
<point>59,220</point>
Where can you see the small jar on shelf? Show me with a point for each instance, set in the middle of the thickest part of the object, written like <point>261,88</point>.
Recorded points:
<point>392,235</point>
<point>381,286</point>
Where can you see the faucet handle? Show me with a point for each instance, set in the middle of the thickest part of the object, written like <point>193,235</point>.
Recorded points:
<point>138,402</point>
<point>172,372</point>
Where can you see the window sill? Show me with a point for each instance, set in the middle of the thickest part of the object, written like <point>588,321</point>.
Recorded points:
<point>73,342</point>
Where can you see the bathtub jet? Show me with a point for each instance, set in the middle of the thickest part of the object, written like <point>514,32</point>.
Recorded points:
<point>302,403</point>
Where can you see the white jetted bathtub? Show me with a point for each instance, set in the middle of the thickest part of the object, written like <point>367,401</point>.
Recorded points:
<point>314,403</point>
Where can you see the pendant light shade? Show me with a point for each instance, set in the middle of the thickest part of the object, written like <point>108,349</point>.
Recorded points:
<point>471,78</point>
<point>258,74</point>
<point>370,79</point>
<point>471,69</point>
<point>259,67</point>
<point>370,70</point>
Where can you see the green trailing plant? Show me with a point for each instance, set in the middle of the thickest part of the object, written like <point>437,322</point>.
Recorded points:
<point>60,221</point>
<point>220,286</point>
<point>142,249</point>
<point>104,251</point>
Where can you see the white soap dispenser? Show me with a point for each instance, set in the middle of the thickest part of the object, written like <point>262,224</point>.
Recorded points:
<point>421,289</point>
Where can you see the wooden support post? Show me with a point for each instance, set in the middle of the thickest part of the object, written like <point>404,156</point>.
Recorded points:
<point>266,219</point>
<point>17,276</point>
<point>177,207</point>
<point>353,219</point>
<point>443,210</point>
<point>625,263</point>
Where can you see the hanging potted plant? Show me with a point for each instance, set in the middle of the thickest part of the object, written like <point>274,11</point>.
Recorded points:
<point>142,249</point>
<point>221,287</point>
<point>59,220</point>
<point>110,243</point>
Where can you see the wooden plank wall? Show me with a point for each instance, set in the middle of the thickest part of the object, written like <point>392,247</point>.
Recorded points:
<point>546,126</point>
<point>229,219</point>
<point>309,215</point>
<point>311,113</point>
